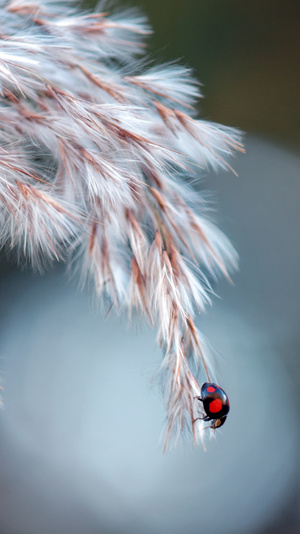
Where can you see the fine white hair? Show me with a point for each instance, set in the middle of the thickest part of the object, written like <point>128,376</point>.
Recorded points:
<point>96,152</point>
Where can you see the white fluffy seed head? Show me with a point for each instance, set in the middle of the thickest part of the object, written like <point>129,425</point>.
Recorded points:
<point>96,152</point>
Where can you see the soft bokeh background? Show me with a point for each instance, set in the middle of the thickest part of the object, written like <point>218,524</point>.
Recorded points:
<point>79,447</point>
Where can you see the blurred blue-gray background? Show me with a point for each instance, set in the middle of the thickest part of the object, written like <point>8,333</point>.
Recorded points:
<point>79,447</point>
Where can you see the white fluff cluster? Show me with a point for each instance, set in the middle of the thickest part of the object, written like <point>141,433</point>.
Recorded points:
<point>95,153</point>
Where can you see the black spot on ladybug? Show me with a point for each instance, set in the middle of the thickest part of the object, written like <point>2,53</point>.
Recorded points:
<point>215,403</point>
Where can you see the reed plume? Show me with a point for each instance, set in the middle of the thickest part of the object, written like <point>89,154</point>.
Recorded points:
<point>97,152</point>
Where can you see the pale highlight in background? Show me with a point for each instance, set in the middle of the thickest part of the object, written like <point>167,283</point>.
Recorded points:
<point>79,448</point>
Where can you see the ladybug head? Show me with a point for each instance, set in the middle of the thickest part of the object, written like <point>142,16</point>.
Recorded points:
<point>218,422</point>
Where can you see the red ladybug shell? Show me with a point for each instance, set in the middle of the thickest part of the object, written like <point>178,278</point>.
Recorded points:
<point>215,401</point>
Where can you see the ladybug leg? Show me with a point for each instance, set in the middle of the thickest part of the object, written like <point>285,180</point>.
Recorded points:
<point>197,419</point>
<point>211,427</point>
<point>206,418</point>
<point>199,398</point>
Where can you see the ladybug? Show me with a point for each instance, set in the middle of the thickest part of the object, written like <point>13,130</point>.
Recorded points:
<point>216,404</point>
